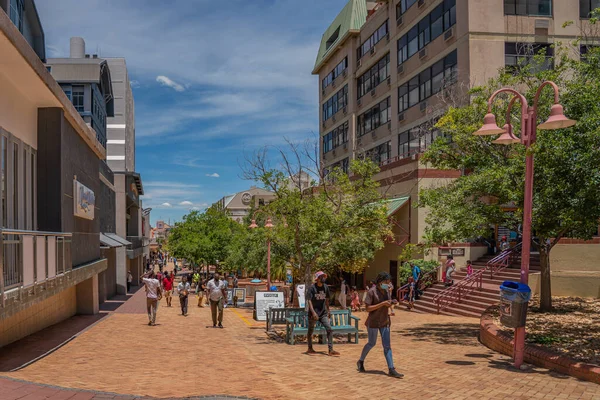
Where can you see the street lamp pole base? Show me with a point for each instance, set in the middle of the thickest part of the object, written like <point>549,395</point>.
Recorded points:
<point>519,348</point>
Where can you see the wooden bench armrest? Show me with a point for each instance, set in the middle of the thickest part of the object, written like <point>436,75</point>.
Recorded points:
<point>356,319</point>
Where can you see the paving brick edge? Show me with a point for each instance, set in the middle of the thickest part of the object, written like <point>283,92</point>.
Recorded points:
<point>491,336</point>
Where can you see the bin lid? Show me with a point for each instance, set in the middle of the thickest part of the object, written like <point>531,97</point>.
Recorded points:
<point>515,287</point>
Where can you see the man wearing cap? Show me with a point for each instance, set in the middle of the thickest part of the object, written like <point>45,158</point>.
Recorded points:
<point>504,245</point>
<point>318,309</point>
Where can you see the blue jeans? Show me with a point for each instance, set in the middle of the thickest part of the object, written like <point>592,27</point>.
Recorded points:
<point>385,340</point>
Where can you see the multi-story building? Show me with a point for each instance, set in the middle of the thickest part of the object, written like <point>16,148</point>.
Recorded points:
<point>388,69</point>
<point>238,205</point>
<point>49,168</point>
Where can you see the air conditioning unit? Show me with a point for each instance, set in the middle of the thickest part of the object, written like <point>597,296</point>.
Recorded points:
<point>400,70</point>
<point>449,34</point>
<point>401,117</point>
<point>373,50</point>
<point>421,3</point>
<point>423,106</point>
<point>389,126</point>
<point>373,93</point>
<point>359,102</point>
<point>423,53</point>
<point>345,73</point>
<point>399,21</point>
<point>389,80</point>
<point>359,63</point>
<point>333,119</point>
<point>345,110</point>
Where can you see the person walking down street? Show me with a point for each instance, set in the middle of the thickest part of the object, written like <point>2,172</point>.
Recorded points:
<point>129,280</point>
<point>450,268</point>
<point>354,299</point>
<point>184,290</point>
<point>378,302</point>
<point>416,275</point>
<point>153,293</point>
<point>167,285</point>
<point>318,306</point>
<point>343,289</point>
<point>196,278</point>
<point>217,295</point>
<point>200,292</point>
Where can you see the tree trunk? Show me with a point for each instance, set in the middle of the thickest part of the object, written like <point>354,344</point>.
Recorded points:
<point>545,279</point>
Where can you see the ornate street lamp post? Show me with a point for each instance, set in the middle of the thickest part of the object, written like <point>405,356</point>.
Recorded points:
<point>557,120</point>
<point>268,225</point>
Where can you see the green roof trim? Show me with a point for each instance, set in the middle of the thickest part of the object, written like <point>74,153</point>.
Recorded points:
<point>351,18</point>
<point>393,205</point>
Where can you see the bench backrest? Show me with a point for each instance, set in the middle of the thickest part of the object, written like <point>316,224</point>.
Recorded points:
<point>280,314</point>
<point>340,317</point>
<point>299,317</point>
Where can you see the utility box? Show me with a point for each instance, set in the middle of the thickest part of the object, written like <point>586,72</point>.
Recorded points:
<point>514,300</point>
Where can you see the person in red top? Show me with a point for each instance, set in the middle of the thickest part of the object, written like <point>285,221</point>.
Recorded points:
<point>167,284</point>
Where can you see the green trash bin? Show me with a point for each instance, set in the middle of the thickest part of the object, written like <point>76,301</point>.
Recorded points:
<point>514,300</point>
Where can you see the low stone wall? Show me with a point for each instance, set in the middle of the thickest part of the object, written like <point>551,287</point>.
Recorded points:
<point>492,337</point>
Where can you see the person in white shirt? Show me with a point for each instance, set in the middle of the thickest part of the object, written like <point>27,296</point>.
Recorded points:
<point>216,296</point>
<point>184,290</point>
<point>129,280</point>
<point>153,292</point>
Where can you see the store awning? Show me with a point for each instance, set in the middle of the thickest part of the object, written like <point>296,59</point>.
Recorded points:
<point>393,205</point>
<point>108,242</point>
<point>118,238</point>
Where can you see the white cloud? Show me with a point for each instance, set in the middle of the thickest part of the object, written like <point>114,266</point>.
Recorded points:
<point>134,83</point>
<point>215,175</point>
<point>166,205</point>
<point>186,203</point>
<point>166,81</point>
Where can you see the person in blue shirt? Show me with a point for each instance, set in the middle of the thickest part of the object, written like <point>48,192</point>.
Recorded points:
<point>416,274</point>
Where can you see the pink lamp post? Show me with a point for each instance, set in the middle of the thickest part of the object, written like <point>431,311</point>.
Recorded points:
<point>268,225</point>
<point>557,120</point>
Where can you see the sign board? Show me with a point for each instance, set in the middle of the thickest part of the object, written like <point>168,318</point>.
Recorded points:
<point>301,296</point>
<point>449,251</point>
<point>239,292</point>
<point>84,201</point>
<point>265,300</point>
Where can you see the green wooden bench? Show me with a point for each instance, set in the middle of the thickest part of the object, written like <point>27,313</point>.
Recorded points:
<point>279,316</point>
<point>341,323</point>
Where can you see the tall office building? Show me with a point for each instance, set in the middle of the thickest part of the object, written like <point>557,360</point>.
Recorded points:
<point>387,70</point>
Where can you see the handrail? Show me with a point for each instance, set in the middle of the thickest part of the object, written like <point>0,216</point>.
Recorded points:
<point>463,288</point>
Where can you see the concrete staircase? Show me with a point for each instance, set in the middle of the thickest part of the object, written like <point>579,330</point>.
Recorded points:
<point>478,301</point>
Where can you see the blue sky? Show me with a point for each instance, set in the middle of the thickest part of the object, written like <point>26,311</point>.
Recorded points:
<point>212,81</point>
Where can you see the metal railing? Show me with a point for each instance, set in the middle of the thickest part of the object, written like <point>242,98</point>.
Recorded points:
<point>28,258</point>
<point>456,293</point>
<point>136,242</point>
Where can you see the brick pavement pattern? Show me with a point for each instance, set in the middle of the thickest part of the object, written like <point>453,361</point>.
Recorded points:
<point>186,357</point>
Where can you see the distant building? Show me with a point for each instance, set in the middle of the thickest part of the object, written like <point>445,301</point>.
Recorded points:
<point>24,15</point>
<point>238,205</point>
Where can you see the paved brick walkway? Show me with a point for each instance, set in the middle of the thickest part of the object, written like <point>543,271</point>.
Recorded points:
<point>181,357</point>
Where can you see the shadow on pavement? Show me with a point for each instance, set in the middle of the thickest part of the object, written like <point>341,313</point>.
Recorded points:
<point>449,333</point>
<point>507,365</point>
<point>34,346</point>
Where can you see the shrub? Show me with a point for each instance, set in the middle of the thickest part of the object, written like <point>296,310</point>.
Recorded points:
<point>404,272</point>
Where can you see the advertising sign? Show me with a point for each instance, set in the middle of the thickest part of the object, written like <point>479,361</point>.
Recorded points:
<point>240,293</point>
<point>301,296</point>
<point>84,201</point>
<point>447,251</point>
<point>265,300</point>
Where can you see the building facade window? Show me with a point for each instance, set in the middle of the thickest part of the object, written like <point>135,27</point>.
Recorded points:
<point>417,139</point>
<point>517,55</point>
<point>528,7</point>
<point>429,28</point>
<point>428,83</point>
<point>374,76</point>
<point>403,6</point>
<point>368,44</point>
<point>16,13</point>
<point>381,154</point>
<point>344,165</point>
<point>335,138</point>
<point>337,102</point>
<point>587,6</point>
<point>337,71</point>
<point>78,97</point>
<point>584,51</point>
<point>373,118</point>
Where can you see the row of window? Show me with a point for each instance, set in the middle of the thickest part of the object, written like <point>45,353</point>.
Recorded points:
<point>528,7</point>
<point>429,28</point>
<point>76,94</point>
<point>337,71</point>
<point>587,6</point>
<point>368,44</point>
<point>335,138</point>
<point>403,6</point>
<point>379,154</point>
<point>428,82</point>
<point>335,103</point>
<point>520,54</point>
<point>17,11</point>
<point>373,118</point>
<point>343,164</point>
<point>374,76</point>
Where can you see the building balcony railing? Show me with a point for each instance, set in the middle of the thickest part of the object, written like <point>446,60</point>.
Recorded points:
<point>30,258</point>
<point>136,242</point>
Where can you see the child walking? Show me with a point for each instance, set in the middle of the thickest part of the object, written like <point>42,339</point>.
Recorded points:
<point>355,299</point>
<point>469,269</point>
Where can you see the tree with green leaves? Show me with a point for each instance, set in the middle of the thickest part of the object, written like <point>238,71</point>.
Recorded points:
<point>567,162</point>
<point>336,224</point>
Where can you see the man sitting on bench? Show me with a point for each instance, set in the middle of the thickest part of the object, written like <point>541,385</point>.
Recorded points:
<point>318,307</point>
